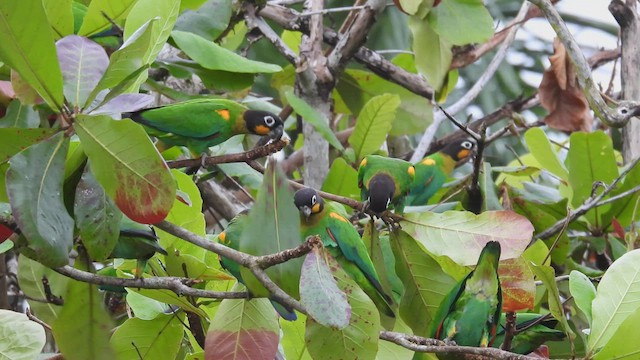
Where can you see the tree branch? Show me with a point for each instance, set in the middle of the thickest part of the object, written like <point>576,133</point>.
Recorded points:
<point>246,156</point>
<point>256,22</point>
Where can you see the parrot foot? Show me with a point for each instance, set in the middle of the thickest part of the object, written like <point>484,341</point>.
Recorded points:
<point>392,222</point>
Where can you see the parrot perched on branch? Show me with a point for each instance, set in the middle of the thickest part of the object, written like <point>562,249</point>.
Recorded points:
<point>343,242</point>
<point>136,241</point>
<point>432,171</point>
<point>202,123</point>
<point>383,182</point>
<point>470,313</point>
<point>531,332</point>
<point>231,238</point>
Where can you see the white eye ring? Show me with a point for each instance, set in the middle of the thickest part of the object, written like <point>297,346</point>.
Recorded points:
<point>467,144</point>
<point>269,120</point>
<point>313,200</point>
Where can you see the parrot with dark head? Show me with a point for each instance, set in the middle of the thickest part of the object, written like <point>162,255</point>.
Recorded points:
<point>432,171</point>
<point>384,181</point>
<point>531,333</point>
<point>231,237</point>
<point>136,241</point>
<point>470,313</point>
<point>202,123</point>
<point>343,242</point>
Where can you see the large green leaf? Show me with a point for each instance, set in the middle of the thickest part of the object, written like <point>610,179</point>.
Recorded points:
<point>432,52</point>
<point>128,166</point>
<point>319,122</point>
<point>342,180</point>
<point>590,159</point>
<point>546,274</point>
<point>144,307</point>
<point>30,276</point>
<point>461,22</point>
<point>169,297</point>
<point>60,16</point>
<point>293,338</point>
<point>373,125</point>
<point>625,342</point>
<point>461,235</point>
<point>27,47</point>
<point>159,338</point>
<point>83,62</point>
<point>359,340</point>
<point>425,284</point>
<point>83,326</point>
<point>319,293</point>
<point>243,330</point>
<point>583,292</point>
<point>20,338</point>
<point>616,299</point>
<point>274,227</point>
<point>540,147</point>
<point>100,13</point>
<point>20,115</point>
<point>208,21</point>
<point>34,185</point>
<point>97,217</point>
<point>15,140</point>
<point>215,57</point>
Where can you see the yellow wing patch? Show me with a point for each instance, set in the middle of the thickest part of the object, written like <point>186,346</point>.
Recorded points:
<point>428,162</point>
<point>363,162</point>
<point>224,113</point>
<point>412,171</point>
<point>222,237</point>
<point>338,217</point>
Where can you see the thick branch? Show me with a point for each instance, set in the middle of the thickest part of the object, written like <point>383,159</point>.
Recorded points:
<point>252,154</point>
<point>256,22</point>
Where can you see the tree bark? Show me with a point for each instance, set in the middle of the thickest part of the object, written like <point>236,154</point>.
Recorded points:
<point>626,14</point>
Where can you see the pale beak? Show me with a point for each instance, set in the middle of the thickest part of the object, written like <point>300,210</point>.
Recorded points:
<point>306,211</point>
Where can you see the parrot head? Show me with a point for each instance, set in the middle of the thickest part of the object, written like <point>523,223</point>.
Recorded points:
<point>381,190</point>
<point>459,149</point>
<point>308,202</point>
<point>263,123</point>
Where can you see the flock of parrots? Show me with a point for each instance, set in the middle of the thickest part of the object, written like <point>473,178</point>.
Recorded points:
<point>469,315</point>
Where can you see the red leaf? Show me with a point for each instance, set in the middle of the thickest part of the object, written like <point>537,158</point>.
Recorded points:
<point>618,230</point>
<point>5,232</point>
<point>518,286</point>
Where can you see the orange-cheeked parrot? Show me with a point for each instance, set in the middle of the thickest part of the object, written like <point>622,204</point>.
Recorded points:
<point>231,237</point>
<point>384,181</point>
<point>343,242</point>
<point>202,123</point>
<point>136,241</point>
<point>470,313</point>
<point>433,170</point>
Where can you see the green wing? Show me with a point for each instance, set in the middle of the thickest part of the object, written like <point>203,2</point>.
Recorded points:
<point>136,241</point>
<point>429,178</point>
<point>531,337</point>
<point>397,169</point>
<point>231,238</point>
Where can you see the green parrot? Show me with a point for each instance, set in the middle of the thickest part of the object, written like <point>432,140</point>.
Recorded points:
<point>343,242</point>
<point>384,181</point>
<point>202,123</point>
<point>231,238</point>
<point>470,313</point>
<point>529,337</point>
<point>136,241</point>
<point>432,171</point>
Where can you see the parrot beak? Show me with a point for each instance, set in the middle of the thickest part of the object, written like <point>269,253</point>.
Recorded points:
<point>306,211</point>
<point>276,132</point>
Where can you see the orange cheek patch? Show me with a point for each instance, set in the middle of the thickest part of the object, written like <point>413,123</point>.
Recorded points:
<point>338,217</point>
<point>262,130</point>
<point>315,208</point>
<point>224,113</point>
<point>463,154</point>
<point>428,162</point>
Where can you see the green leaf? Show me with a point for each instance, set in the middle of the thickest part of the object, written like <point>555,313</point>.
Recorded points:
<point>391,351</point>
<point>159,338</point>
<point>20,116</point>
<point>208,21</point>
<point>425,284</point>
<point>313,117</point>
<point>461,235</point>
<point>319,293</point>
<point>271,218</point>
<point>15,140</point>
<point>359,340</point>
<point>373,125</point>
<point>624,343</point>
<point>34,185</point>
<point>548,277</point>
<point>540,147</point>
<point>83,62</point>
<point>128,166</point>
<point>461,22</point>
<point>379,248</point>
<point>30,50</point>
<point>617,297</point>
<point>490,199</point>
<point>214,57</point>
<point>20,338</point>
<point>97,217</point>
<point>583,292</point>
<point>5,245</point>
<point>83,326</point>
<point>243,330</point>
<point>95,20</point>
<point>60,16</point>
<point>590,159</point>
<point>623,209</point>
<point>169,297</point>
<point>145,308</point>
<point>342,180</point>
<point>293,338</point>
<point>30,277</point>
<point>432,52</point>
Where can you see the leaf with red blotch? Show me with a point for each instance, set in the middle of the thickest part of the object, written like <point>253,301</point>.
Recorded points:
<point>5,232</point>
<point>128,166</point>
<point>618,230</point>
<point>243,330</point>
<point>518,285</point>
<point>560,95</point>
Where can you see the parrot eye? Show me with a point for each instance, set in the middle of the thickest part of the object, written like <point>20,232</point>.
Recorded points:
<point>269,120</point>
<point>467,145</point>
<point>313,200</point>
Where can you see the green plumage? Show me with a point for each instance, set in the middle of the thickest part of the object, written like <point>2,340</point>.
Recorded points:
<point>528,337</point>
<point>384,181</point>
<point>231,238</point>
<point>469,314</point>
<point>343,242</point>
<point>432,171</point>
<point>202,123</point>
<point>136,241</point>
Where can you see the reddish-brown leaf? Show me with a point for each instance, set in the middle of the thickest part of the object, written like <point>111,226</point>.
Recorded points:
<point>518,286</point>
<point>560,95</point>
<point>618,230</point>
<point>5,232</point>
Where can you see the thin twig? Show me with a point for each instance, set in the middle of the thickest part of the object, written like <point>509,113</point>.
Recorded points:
<point>36,320</point>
